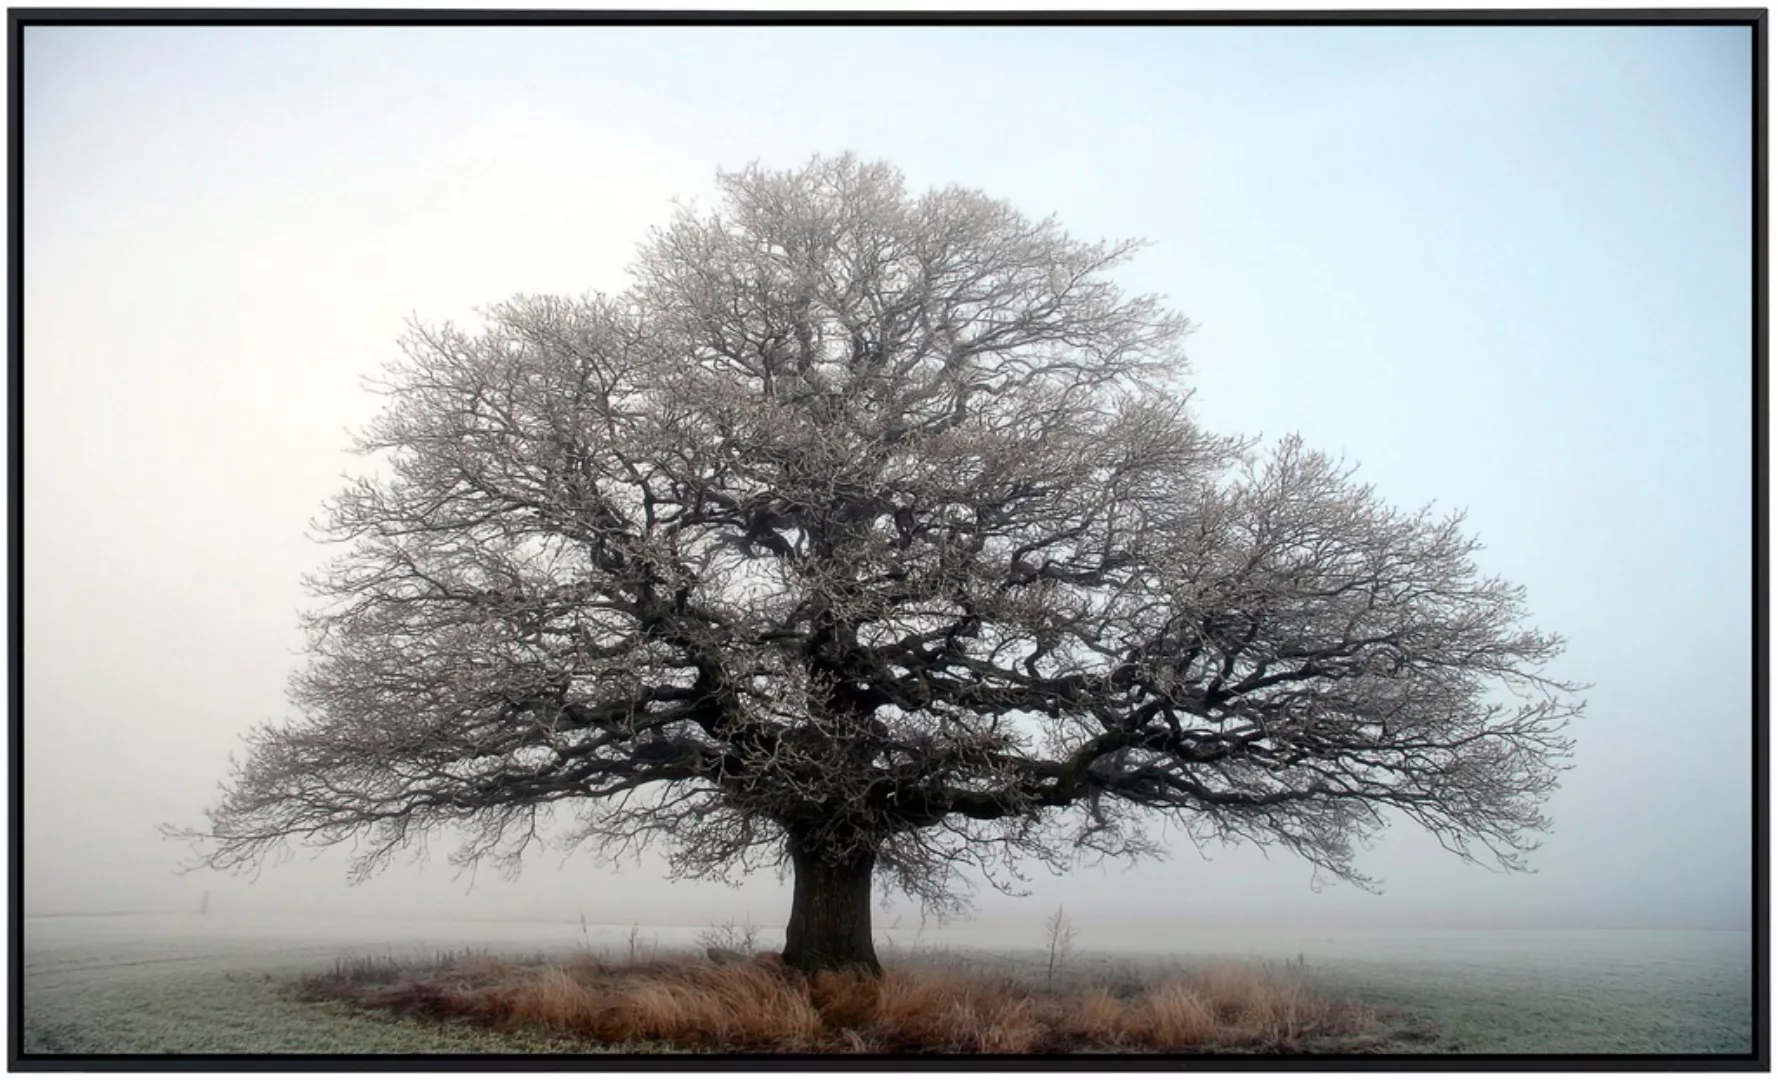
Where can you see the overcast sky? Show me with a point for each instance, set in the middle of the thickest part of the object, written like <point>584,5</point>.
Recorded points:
<point>1501,269</point>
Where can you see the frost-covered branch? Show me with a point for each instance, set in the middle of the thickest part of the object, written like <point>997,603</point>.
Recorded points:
<point>873,524</point>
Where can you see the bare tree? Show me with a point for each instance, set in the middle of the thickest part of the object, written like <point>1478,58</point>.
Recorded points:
<point>868,535</point>
<point>1060,934</point>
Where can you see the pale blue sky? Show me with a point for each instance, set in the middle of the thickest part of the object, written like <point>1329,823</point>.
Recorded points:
<point>1504,269</point>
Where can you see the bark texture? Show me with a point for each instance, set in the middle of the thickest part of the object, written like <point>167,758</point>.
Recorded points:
<point>829,925</point>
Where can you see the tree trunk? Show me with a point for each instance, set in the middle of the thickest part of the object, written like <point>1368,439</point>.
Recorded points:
<point>830,914</point>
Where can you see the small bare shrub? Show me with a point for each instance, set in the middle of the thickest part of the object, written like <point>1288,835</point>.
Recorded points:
<point>1060,934</point>
<point>732,937</point>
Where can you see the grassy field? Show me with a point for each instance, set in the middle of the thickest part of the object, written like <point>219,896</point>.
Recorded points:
<point>219,1012</point>
<point>169,985</point>
<point>1522,1013</point>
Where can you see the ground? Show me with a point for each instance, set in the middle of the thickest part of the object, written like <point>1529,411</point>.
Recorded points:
<point>188,986</point>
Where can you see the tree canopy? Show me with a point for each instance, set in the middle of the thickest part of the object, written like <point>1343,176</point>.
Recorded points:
<point>870,532</point>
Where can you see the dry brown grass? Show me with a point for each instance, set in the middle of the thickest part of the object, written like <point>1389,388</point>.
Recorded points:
<point>763,1006</point>
<point>1098,1017</point>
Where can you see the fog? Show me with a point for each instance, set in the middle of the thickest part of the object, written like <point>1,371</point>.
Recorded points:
<point>1501,269</point>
